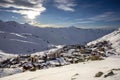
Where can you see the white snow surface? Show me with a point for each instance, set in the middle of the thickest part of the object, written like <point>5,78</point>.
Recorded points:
<point>9,71</point>
<point>80,71</point>
<point>113,38</point>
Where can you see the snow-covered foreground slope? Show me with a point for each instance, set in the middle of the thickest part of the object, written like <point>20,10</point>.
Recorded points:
<point>9,71</point>
<point>24,38</point>
<point>80,71</point>
<point>113,38</point>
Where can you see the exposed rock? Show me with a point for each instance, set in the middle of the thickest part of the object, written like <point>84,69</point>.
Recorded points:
<point>110,73</point>
<point>99,74</point>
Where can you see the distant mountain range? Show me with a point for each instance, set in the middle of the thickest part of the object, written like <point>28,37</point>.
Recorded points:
<point>19,38</point>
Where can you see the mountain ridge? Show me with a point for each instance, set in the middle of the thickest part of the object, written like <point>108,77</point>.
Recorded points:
<point>113,38</point>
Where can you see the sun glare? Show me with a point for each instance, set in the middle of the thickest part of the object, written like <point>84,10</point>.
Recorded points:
<point>31,14</point>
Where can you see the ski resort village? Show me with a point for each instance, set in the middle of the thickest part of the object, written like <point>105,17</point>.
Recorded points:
<point>59,40</point>
<point>96,60</point>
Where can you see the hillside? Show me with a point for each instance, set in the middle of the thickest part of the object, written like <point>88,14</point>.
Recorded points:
<point>113,38</point>
<point>70,62</point>
<point>23,38</point>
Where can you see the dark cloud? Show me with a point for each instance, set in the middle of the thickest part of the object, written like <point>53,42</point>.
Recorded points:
<point>23,3</point>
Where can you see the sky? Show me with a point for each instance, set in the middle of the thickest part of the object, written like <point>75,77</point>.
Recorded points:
<point>62,13</point>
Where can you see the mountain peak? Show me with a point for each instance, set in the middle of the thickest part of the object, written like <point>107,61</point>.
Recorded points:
<point>12,22</point>
<point>118,29</point>
<point>1,21</point>
<point>72,27</point>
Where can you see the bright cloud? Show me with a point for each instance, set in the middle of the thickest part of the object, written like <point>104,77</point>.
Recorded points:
<point>104,17</point>
<point>66,5</point>
<point>30,9</point>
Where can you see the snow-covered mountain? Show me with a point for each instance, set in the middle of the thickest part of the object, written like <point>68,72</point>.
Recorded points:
<point>113,38</point>
<point>78,56</point>
<point>24,38</point>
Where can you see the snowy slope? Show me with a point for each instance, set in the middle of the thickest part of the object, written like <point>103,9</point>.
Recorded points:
<point>113,38</point>
<point>80,71</point>
<point>4,56</point>
<point>24,38</point>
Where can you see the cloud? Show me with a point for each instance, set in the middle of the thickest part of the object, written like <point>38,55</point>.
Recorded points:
<point>66,5</point>
<point>85,21</point>
<point>30,9</point>
<point>45,25</point>
<point>81,21</point>
<point>14,17</point>
<point>55,25</point>
<point>106,16</point>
